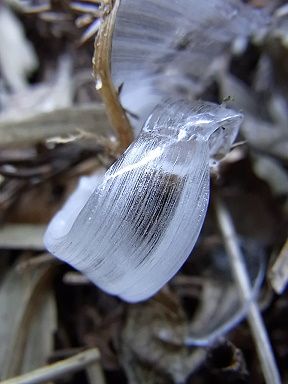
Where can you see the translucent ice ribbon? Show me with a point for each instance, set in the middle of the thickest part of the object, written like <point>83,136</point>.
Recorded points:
<point>132,229</point>
<point>174,48</point>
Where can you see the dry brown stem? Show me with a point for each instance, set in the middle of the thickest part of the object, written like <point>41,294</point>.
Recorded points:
<point>102,72</point>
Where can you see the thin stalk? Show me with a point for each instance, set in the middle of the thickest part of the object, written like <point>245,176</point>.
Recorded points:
<point>57,370</point>
<point>279,272</point>
<point>102,72</point>
<point>255,320</point>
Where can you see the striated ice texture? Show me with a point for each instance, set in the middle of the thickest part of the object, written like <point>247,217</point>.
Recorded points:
<point>173,48</point>
<point>136,229</point>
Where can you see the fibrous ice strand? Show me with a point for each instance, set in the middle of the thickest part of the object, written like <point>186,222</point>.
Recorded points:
<point>134,231</point>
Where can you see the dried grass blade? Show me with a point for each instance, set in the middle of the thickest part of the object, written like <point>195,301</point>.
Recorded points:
<point>59,369</point>
<point>259,332</point>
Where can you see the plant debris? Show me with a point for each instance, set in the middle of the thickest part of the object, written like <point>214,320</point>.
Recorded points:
<point>54,129</point>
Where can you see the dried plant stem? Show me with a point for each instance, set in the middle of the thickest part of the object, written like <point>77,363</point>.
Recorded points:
<point>24,130</point>
<point>279,272</point>
<point>22,236</point>
<point>101,67</point>
<point>35,262</point>
<point>95,373</point>
<point>254,317</point>
<point>54,371</point>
